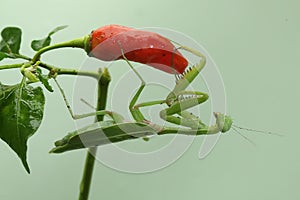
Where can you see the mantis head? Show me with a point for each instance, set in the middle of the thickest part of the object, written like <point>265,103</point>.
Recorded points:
<point>224,122</point>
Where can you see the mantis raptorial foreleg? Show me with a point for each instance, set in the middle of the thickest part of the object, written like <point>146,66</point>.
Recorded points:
<point>178,100</point>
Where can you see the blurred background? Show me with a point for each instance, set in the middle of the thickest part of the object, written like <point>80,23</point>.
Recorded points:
<point>255,45</point>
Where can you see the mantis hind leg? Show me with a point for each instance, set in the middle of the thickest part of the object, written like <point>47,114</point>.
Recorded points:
<point>115,116</point>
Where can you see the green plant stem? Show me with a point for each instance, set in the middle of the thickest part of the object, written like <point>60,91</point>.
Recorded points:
<point>87,173</point>
<point>11,66</point>
<point>55,70</point>
<point>65,71</point>
<point>85,184</point>
<point>22,57</point>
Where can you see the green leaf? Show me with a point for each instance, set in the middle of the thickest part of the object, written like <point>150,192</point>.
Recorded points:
<point>11,40</point>
<point>3,49</point>
<point>21,113</point>
<point>44,80</point>
<point>2,56</point>
<point>57,29</point>
<point>39,44</point>
<point>102,133</point>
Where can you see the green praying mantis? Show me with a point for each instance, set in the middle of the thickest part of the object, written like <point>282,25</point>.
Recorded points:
<point>23,105</point>
<point>177,101</point>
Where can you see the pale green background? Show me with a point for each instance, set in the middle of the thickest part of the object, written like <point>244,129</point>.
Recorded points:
<point>256,45</point>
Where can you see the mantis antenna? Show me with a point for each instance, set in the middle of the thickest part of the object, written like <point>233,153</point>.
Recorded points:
<point>257,131</point>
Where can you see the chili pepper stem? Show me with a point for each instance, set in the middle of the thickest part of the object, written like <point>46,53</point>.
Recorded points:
<point>83,43</point>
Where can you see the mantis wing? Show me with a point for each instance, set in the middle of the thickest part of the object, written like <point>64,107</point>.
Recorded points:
<point>102,133</point>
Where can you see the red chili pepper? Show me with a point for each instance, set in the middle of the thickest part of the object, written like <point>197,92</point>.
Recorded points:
<point>140,46</point>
